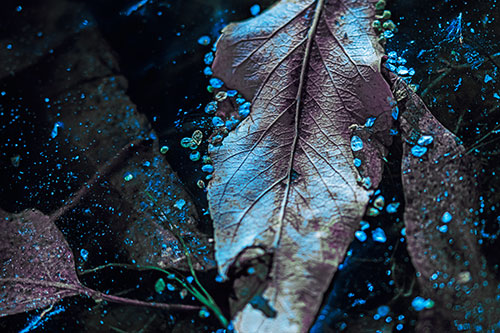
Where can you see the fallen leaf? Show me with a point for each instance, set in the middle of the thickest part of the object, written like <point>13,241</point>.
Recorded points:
<point>441,195</point>
<point>37,265</point>
<point>38,269</point>
<point>284,179</point>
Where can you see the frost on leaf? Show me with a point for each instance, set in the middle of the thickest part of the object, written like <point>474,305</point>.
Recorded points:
<point>284,181</point>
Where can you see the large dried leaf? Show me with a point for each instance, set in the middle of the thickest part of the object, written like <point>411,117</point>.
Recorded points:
<point>37,265</point>
<point>441,200</point>
<point>284,182</point>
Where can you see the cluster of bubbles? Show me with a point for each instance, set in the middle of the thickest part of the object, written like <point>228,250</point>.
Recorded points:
<point>383,25</point>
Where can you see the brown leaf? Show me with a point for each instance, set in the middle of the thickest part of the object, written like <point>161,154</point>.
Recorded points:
<point>441,197</point>
<point>37,265</point>
<point>284,179</point>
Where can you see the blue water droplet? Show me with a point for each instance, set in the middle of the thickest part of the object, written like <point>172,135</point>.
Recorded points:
<point>364,225</point>
<point>208,168</point>
<point>360,235</point>
<point>487,78</point>
<point>211,107</point>
<point>208,58</point>
<point>425,140</point>
<point>232,93</point>
<point>204,40</point>
<point>356,143</point>
<point>395,113</point>
<point>217,121</point>
<point>383,310</point>
<point>216,83</point>
<point>378,235</point>
<point>357,162</point>
<point>392,207</point>
<point>402,70</point>
<point>370,121</point>
<point>207,71</point>
<point>418,151</point>
<point>443,228</point>
<point>446,217</point>
<point>84,254</point>
<point>255,10</point>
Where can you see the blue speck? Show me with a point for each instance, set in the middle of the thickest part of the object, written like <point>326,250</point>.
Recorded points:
<point>357,162</point>
<point>208,168</point>
<point>496,95</point>
<point>392,55</point>
<point>211,107</point>
<point>217,121</point>
<point>393,131</point>
<point>487,78</point>
<point>364,225</point>
<point>443,228</point>
<point>84,254</point>
<point>360,235</point>
<point>370,121</point>
<point>216,83</point>
<point>420,303</point>
<point>356,143</point>
<point>418,151</point>
<point>208,58</point>
<point>55,130</point>
<point>255,10</point>
<point>378,235</point>
<point>19,8</point>
<point>402,70</point>
<point>392,207</point>
<point>170,287</point>
<point>244,109</point>
<point>189,279</point>
<point>231,93</point>
<point>3,93</point>
<point>388,34</point>
<point>204,40</point>
<point>207,71</point>
<point>9,46</point>
<point>446,217</point>
<point>425,140</point>
<point>383,310</point>
<point>395,113</point>
<point>399,327</point>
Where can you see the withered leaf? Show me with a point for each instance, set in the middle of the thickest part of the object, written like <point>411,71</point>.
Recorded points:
<point>441,197</point>
<point>284,179</point>
<point>37,265</point>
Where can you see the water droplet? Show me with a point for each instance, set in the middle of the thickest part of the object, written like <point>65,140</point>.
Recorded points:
<point>208,168</point>
<point>446,217</point>
<point>211,107</point>
<point>164,150</point>
<point>204,40</point>
<point>232,93</point>
<point>197,137</point>
<point>207,71</point>
<point>378,235</point>
<point>402,70</point>
<point>84,254</point>
<point>357,162</point>
<point>425,140</point>
<point>128,177</point>
<point>360,235</point>
<point>208,58</point>
<point>204,313</point>
<point>217,121</point>
<point>356,143</point>
<point>194,156</point>
<point>216,83</point>
<point>372,212</point>
<point>418,151</point>
<point>190,279</point>
<point>395,113</point>
<point>364,225</point>
<point>170,287</point>
<point>443,228</point>
<point>180,203</point>
<point>55,130</point>
<point>379,202</point>
<point>255,10</point>
<point>160,285</point>
<point>487,78</point>
<point>220,96</point>
<point>186,142</point>
<point>370,121</point>
<point>383,310</point>
<point>392,207</point>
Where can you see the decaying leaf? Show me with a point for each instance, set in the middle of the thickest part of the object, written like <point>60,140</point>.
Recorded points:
<point>37,265</point>
<point>285,183</point>
<point>441,200</point>
<point>37,268</point>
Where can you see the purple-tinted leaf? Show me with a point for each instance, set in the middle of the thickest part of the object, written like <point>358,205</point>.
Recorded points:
<point>285,183</point>
<point>37,265</point>
<point>441,200</point>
